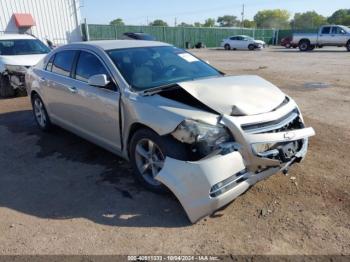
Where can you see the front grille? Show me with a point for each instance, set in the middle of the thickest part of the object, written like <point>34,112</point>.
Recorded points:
<point>288,122</point>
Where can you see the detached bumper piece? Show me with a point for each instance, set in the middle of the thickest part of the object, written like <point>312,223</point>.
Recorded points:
<point>205,186</point>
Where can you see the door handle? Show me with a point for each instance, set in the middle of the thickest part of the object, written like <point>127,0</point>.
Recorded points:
<point>73,89</point>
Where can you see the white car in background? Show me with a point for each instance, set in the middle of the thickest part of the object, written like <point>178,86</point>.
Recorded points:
<point>242,42</point>
<point>18,52</point>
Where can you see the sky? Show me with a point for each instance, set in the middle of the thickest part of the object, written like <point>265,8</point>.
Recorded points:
<point>138,12</point>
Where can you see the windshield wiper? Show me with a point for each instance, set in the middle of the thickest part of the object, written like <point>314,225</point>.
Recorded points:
<point>158,89</point>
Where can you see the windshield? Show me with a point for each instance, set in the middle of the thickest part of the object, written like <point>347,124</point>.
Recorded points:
<point>149,67</point>
<point>23,47</point>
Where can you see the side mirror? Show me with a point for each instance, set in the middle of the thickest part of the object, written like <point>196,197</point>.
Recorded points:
<point>207,62</point>
<point>98,80</point>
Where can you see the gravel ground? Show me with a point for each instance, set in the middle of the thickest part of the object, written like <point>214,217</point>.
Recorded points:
<point>62,195</point>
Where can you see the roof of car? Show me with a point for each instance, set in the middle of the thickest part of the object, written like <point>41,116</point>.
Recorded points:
<point>15,36</point>
<point>121,44</point>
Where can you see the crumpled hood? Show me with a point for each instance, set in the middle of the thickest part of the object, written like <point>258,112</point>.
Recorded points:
<point>22,60</point>
<point>236,95</point>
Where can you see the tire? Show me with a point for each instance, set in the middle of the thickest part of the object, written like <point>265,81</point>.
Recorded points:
<point>146,167</point>
<point>227,47</point>
<point>251,47</point>
<point>304,46</point>
<point>348,46</point>
<point>40,114</point>
<point>6,90</point>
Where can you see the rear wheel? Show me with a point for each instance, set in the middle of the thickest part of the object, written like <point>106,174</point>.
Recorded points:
<point>147,153</point>
<point>227,47</point>
<point>6,90</point>
<point>40,113</point>
<point>251,47</point>
<point>348,46</point>
<point>304,45</point>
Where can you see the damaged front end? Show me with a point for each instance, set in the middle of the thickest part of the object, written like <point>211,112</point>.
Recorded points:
<point>233,155</point>
<point>16,76</point>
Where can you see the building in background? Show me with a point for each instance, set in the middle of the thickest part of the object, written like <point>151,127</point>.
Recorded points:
<point>56,20</point>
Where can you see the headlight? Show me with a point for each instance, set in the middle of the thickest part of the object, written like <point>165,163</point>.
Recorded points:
<point>16,68</point>
<point>195,132</point>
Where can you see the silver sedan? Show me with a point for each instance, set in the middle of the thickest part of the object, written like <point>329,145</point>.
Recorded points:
<point>184,125</point>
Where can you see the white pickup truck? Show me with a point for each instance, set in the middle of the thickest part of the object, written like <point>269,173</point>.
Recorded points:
<point>18,52</point>
<point>328,35</point>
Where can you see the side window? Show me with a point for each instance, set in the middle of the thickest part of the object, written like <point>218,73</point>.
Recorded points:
<point>89,65</point>
<point>63,62</point>
<point>233,38</point>
<point>326,30</point>
<point>50,63</point>
<point>337,30</point>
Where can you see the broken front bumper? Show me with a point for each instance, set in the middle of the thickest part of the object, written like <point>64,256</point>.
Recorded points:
<point>206,185</point>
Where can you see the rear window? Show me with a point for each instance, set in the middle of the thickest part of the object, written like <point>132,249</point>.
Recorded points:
<point>63,62</point>
<point>22,47</point>
<point>326,30</point>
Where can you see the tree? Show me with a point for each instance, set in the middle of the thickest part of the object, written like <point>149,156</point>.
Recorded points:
<point>197,24</point>
<point>340,17</point>
<point>210,22</point>
<point>249,24</point>
<point>183,24</point>
<point>309,19</point>
<point>158,22</point>
<point>118,22</point>
<point>276,18</point>
<point>228,21</point>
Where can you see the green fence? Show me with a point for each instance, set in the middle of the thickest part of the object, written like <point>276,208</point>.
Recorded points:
<point>178,36</point>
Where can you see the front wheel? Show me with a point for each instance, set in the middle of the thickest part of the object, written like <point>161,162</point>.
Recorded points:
<point>304,46</point>
<point>348,46</point>
<point>148,152</point>
<point>251,47</point>
<point>227,47</point>
<point>6,90</point>
<point>40,113</point>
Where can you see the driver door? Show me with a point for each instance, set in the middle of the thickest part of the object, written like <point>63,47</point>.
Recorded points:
<point>97,108</point>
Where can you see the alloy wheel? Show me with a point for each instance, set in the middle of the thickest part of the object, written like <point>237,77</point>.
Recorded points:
<point>40,114</point>
<point>149,160</point>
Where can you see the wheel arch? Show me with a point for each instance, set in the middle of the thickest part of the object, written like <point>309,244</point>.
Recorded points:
<point>132,130</point>
<point>304,40</point>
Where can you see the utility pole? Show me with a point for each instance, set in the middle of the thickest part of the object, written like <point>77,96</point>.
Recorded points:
<point>242,23</point>
<point>175,22</point>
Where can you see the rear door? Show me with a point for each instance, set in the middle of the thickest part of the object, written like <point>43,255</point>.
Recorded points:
<point>96,108</point>
<point>325,37</point>
<point>58,92</point>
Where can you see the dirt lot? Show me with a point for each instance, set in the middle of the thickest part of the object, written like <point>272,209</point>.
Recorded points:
<point>62,195</point>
